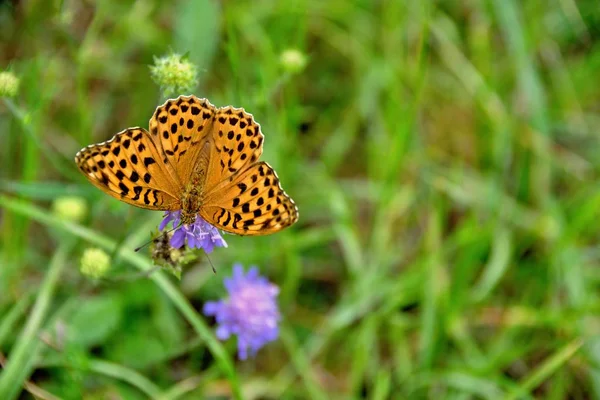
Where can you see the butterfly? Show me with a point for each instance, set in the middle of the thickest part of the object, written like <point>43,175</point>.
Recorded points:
<point>198,159</point>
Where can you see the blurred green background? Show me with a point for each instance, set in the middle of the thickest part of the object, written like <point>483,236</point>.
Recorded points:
<point>444,158</point>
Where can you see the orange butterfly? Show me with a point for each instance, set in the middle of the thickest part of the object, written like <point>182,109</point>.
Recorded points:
<point>198,159</point>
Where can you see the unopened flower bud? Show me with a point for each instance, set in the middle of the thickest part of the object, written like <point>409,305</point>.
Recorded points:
<point>293,60</point>
<point>70,208</point>
<point>9,84</point>
<point>94,263</point>
<point>174,74</point>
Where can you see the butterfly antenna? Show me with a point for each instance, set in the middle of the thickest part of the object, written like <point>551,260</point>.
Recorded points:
<point>210,262</point>
<point>152,240</point>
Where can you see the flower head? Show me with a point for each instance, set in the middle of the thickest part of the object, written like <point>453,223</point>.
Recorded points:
<point>9,84</point>
<point>94,263</point>
<point>199,235</point>
<point>70,208</point>
<point>250,311</point>
<point>174,74</point>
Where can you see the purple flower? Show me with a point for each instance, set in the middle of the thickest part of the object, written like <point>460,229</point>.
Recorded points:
<point>199,235</point>
<point>250,311</point>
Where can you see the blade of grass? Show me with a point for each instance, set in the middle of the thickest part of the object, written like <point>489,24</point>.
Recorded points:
<point>547,368</point>
<point>35,390</point>
<point>363,351</point>
<point>301,363</point>
<point>7,324</point>
<point>497,265</point>
<point>383,385</point>
<point>434,291</point>
<point>25,121</point>
<point>16,372</point>
<point>112,370</point>
<point>126,375</point>
<point>533,92</point>
<point>181,388</point>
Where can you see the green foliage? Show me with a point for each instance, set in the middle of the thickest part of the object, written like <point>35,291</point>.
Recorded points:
<point>93,322</point>
<point>443,156</point>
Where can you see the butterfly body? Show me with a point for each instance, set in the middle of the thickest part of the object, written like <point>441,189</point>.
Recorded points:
<point>191,203</point>
<point>198,159</point>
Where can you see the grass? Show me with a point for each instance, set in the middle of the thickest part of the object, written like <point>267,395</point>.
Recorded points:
<point>443,157</point>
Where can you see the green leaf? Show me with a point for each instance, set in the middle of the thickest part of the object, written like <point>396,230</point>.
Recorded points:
<point>138,349</point>
<point>95,320</point>
<point>167,323</point>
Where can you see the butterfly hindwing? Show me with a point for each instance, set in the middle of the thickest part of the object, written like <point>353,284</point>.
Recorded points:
<point>180,128</point>
<point>128,168</point>
<point>251,202</point>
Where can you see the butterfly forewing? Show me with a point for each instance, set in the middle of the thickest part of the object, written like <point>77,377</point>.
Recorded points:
<point>237,143</point>
<point>129,168</point>
<point>181,127</point>
<point>251,203</point>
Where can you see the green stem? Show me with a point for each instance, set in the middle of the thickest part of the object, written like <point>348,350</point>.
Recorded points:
<point>7,324</point>
<point>16,371</point>
<point>217,350</point>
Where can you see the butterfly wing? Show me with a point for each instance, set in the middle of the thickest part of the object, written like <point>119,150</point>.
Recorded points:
<point>243,196</point>
<point>250,202</point>
<point>237,144</point>
<point>128,167</point>
<point>181,128</point>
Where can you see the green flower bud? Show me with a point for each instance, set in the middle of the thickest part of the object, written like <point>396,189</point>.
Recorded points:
<point>70,208</point>
<point>94,263</point>
<point>293,60</point>
<point>174,74</point>
<point>9,84</point>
